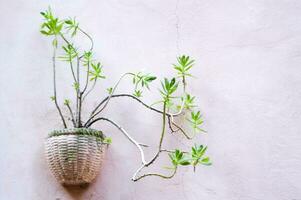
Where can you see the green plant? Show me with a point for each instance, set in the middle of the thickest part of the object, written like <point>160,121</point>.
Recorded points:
<point>83,64</point>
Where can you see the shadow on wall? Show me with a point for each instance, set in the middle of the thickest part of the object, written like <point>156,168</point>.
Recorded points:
<point>62,192</point>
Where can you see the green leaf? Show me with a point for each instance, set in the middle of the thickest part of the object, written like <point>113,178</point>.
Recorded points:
<point>76,85</point>
<point>69,22</point>
<point>107,140</point>
<point>66,102</point>
<point>96,71</point>
<point>44,32</point>
<point>52,98</point>
<point>205,160</point>
<point>72,26</point>
<point>185,162</point>
<point>138,93</point>
<point>183,66</point>
<point>110,90</point>
<point>54,42</point>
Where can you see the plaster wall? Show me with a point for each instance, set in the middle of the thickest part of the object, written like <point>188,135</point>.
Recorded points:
<point>248,58</point>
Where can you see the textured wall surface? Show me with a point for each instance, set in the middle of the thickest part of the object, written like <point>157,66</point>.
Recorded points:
<point>248,57</point>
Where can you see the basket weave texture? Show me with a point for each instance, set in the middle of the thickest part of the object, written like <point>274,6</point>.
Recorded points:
<point>73,157</point>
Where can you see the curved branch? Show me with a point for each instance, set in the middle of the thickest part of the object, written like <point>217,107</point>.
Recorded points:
<point>138,145</point>
<point>155,174</point>
<point>133,97</point>
<point>161,137</point>
<point>95,112</point>
<point>90,38</point>
<point>94,83</point>
<point>182,131</point>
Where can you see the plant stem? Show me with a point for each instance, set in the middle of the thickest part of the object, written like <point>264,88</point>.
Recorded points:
<point>138,145</point>
<point>155,174</point>
<point>72,71</point>
<point>158,152</point>
<point>54,88</point>
<point>93,85</point>
<point>78,96</point>
<point>182,130</point>
<point>161,137</point>
<point>87,78</point>
<point>71,113</point>
<point>90,38</point>
<point>133,97</point>
<point>94,112</point>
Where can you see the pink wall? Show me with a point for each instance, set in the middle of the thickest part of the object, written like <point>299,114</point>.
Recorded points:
<point>249,83</point>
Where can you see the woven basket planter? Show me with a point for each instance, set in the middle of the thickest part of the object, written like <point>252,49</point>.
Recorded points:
<point>75,155</point>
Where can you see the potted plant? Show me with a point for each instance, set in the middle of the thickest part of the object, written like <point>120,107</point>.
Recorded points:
<point>75,152</point>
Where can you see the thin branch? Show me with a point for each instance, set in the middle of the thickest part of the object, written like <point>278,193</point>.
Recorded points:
<point>161,137</point>
<point>72,70</point>
<point>170,126</point>
<point>94,112</point>
<point>155,174</point>
<point>138,145</point>
<point>90,38</point>
<point>94,83</point>
<point>77,112</point>
<point>133,97</point>
<point>54,88</point>
<point>171,151</point>
<point>87,79</point>
<point>159,148</point>
<point>182,131</point>
<point>78,97</point>
<point>71,113</point>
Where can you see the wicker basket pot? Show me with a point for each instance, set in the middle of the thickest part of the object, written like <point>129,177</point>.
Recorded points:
<point>75,155</point>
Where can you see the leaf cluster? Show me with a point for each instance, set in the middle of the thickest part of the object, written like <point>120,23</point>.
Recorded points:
<point>196,121</point>
<point>51,25</point>
<point>195,157</point>
<point>168,88</point>
<point>87,58</point>
<point>183,66</point>
<point>178,158</point>
<point>141,80</point>
<point>72,26</point>
<point>69,53</point>
<point>188,102</point>
<point>96,71</point>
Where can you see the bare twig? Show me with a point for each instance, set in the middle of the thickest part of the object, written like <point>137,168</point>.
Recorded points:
<point>72,71</point>
<point>134,178</point>
<point>78,99</point>
<point>170,126</point>
<point>155,174</point>
<point>133,97</point>
<point>54,88</point>
<point>161,137</point>
<point>90,38</point>
<point>179,128</point>
<point>71,113</point>
<point>138,145</point>
<point>95,112</point>
<point>94,83</point>
<point>77,81</point>
<point>87,79</point>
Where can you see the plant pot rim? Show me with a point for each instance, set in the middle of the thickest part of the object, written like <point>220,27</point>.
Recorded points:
<point>77,131</point>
